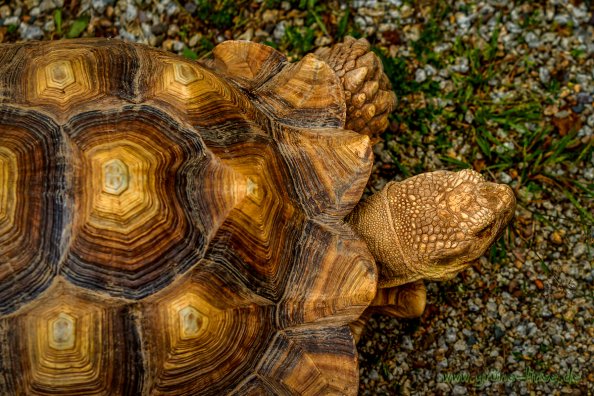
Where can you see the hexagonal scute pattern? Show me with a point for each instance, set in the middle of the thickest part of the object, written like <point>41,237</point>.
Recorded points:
<point>160,234</point>
<point>60,82</point>
<point>32,183</point>
<point>70,342</point>
<point>218,328</point>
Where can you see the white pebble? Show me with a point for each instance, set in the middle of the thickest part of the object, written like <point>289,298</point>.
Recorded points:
<point>420,75</point>
<point>544,74</point>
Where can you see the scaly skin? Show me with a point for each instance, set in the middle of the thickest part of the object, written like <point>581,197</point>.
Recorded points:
<point>433,225</point>
<point>368,93</point>
<point>430,226</point>
<point>406,301</point>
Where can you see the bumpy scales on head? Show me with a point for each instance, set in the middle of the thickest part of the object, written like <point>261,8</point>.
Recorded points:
<point>433,225</point>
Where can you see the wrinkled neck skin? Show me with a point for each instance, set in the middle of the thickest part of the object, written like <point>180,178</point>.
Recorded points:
<point>433,225</point>
<point>372,221</point>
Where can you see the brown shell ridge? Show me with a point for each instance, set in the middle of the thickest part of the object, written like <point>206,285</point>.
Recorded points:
<point>262,229</point>
<point>254,384</point>
<point>332,278</point>
<point>306,94</point>
<point>247,63</point>
<point>31,211</point>
<point>219,138</point>
<point>11,63</point>
<point>329,168</point>
<point>317,361</point>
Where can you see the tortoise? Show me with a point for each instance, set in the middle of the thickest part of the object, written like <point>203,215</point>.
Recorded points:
<point>178,227</point>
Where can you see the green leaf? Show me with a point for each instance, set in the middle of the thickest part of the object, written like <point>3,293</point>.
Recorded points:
<point>188,53</point>
<point>545,267</point>
<point>483,145</point>
<point>78,27</point>
<point>343,23</point>
<point>58,20</point>
<point>458,163</point>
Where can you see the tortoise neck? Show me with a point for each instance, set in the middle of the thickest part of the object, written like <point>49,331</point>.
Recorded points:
<point>372,221</point>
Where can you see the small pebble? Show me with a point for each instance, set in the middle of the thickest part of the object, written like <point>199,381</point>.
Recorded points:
<point>451,335</point>
<point>461,66</point>
<point>5,11</point>
<point>570,313</point>
<point>544,74</point>
<point>460,345</point>
<point>30,32</point>
<point>545,312</point>
<point>579,249</point>
<point>505,178</point>
<point>420,75</point>
<point>556,238</point>
<point>498,332</point>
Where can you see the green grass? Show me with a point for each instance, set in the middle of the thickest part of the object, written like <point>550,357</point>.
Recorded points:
<point>298,40</point>
<point>509,135</point>
<point>220,14</point>
<point>58,21</point>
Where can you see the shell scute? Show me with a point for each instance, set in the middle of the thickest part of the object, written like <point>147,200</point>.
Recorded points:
<point>32,185</point>
<point>217,331</point>
<point>67,331</point>
<point>64,78</point>
<point>305,94</point>
<point>249,64</point>
<point>190,226</point>
<point>142,212</point>
<point>329,168</point>
<point>260,231</point>
<point>205,99</point>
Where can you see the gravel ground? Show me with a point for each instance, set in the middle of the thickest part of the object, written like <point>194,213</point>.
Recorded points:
<point>505,87</point>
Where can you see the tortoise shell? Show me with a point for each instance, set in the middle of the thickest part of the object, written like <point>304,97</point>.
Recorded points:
<point>170,227</point>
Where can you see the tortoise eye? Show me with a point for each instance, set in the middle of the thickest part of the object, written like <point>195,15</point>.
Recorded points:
<point>448,256</point>
<point>485,231</point>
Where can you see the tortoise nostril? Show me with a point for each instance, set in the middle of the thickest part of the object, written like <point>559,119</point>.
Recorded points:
<point>506,200</point>
<point>497,197</point>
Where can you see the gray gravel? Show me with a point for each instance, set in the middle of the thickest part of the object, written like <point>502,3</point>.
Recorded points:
<point>511,318</point>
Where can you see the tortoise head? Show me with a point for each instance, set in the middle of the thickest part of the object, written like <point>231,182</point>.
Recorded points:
<point>433,225</point>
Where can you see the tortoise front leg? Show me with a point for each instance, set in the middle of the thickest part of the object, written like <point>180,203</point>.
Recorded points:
<point>406,301</point>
